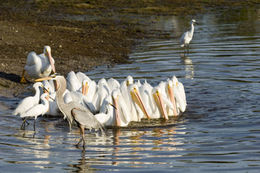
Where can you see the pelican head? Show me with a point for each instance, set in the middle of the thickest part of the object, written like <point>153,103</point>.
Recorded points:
<point>129,80</point>
<point>135,94</point>
<point>157,95</point>
<point>47,53</point>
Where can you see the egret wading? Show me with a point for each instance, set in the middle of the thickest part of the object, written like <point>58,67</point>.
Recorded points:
<point>187,36</point>
<point>74,111</point>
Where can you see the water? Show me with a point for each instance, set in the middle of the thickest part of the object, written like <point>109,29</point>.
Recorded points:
<point>218,132</point>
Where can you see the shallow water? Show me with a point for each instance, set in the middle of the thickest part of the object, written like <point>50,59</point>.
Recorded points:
<point>218,132</point>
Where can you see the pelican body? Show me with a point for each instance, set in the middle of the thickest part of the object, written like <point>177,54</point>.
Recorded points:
<point>38,66</point>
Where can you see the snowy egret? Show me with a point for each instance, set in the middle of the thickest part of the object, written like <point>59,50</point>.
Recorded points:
<point>187,36</point>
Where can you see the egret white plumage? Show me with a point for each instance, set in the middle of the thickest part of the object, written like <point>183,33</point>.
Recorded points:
<point>187,36</point>
<point>39,65</point>
<point>30,101</point>
<point>37,110</point>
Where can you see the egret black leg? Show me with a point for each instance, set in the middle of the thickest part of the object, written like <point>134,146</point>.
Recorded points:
<point>34,124</point>
<point>23,124</point>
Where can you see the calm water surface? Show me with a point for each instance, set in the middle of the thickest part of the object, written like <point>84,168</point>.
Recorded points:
<point>220,131</point>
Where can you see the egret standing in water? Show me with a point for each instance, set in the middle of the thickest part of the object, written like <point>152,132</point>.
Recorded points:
<point>187,36</point>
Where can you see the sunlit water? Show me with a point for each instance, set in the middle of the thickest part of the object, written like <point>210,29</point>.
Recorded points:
<point>220,131</point>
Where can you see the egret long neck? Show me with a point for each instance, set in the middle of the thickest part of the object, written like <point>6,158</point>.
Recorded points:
<point>37,92</point>
<point>191,29</point>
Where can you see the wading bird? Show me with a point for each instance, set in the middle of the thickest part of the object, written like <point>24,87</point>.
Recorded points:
<point>37,110</point>
<point>74,111</point>
<point>187,36</point>
<point>29,102</point>
<point>38,66</point>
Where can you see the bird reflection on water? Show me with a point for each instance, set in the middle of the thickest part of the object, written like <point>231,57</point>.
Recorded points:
<point>189,68</point>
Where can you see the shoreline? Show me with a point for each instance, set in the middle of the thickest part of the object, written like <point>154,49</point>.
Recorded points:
<point>80,45</point>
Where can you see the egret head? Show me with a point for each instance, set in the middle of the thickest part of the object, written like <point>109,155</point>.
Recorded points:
<point>193,21</point>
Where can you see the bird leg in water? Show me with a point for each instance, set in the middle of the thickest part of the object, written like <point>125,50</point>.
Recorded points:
<point>23,80</point>
<point>82,133</point>
<point>23,124</point>
<point>34,124</point>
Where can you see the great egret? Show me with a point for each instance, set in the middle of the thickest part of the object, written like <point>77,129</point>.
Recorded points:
<point>39,109</point>
<point>30,101</point>
<point>38,66</point>
<point>187,36</point>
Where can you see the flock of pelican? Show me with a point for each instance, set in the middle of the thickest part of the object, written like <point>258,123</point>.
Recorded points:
<point>95,105</point>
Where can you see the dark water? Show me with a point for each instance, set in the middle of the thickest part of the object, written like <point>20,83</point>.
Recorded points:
<point>220,131</point>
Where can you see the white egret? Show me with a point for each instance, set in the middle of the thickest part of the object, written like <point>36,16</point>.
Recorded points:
<point>39,65</point>
<point>187,36</point>
<point>37,110</point>
<point>30,101</point>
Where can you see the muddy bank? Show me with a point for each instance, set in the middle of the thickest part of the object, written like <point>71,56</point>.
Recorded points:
<point>80,44</point>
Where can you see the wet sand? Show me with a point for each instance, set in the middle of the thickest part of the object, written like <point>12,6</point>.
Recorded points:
<point>80,45</point>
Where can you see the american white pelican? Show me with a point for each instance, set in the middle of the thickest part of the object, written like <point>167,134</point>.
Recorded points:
<point>187,36</point>
<point>179,94</point>
<point>37,110</point>
<point>39,65</point>
<point>113,84</point>
<point>160,101</point>
<point>138,110</point>
<point>122,114</point>
<point>30,101</point>
<point>73,83</point>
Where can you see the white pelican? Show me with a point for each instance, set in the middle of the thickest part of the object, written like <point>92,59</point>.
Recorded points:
<point>187,36</point>
<point>179,93</point>
<point>171,95</point>
<point>146,94</point>
<point>30,101</point>
<point>39,65</point>
<point>113,84</point>
<point>81,76</point>
<point>138,109</point>
<point>122,114</point>
<point>160,101</point>
<point>73,83</point>
<point>39,109</point>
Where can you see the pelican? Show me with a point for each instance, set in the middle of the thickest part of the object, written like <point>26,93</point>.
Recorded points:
<point>39,109</point>
<point>187,36</point>
<point>39,65</point>
<point>30,101</point>
<point>122,114</point>
<point>73,83</point>
<point>137,104</point>
<point>74,111</point>
<point>113,84</point>
<point>180,95</point>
